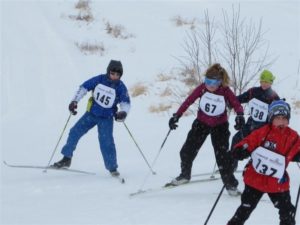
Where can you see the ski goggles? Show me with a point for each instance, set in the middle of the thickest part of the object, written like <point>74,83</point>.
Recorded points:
<point>212,82</point>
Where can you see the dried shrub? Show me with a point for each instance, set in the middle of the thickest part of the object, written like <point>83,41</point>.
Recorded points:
<point>138,89</point>
<point>91,49</point>
<point>117,31</point>
<point>83,5</point>
<point>163,77</point>
<point>82,17</point>
<point>166,92</point>
<point>160,108</point>
<point>189,77</point>
<point>179,22</point>
<point>296,105</point>
<point>84,13</point>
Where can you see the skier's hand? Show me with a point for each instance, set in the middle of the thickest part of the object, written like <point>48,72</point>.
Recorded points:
<point>283,179</point>
<point>239,122</point>
<point>173,121</point>
<point>120,116</point>
<point>296,158</point>
<point>241,152</point>
<point>73,107</point>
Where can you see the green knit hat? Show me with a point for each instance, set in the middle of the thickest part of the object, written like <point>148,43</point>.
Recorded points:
<point>267,76</point>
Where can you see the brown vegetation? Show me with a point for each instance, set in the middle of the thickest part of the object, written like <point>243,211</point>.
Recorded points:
<point>87,48</point>
<point>117,31</point>
<point>138,89</point>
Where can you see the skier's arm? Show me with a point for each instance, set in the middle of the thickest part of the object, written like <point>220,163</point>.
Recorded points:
<point>190,100</point>
<point>245,97</point>
<point>124,103</point>
<point>85,87</point>
<point>294,153</point>
<point>234,102</point>
<point>125,107</point>
<point>80,93</point>
<point>124,100</point>
<point>241,152</point>
<point>253,140</point>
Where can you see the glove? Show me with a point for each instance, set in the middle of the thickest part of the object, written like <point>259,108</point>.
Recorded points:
<point>283,179</point>
<point>120,116</point>
<point>73,107</point>
<point>241,152</point>
<point>296,158</point>
<point>239,122</point>
<point>172,122</point>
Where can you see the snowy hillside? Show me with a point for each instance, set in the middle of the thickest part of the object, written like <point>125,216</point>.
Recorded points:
<point>42,67</point>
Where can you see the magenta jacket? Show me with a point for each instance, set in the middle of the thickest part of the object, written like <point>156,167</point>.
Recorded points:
<point>210,120</point>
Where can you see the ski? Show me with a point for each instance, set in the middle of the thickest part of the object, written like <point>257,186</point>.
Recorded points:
<point>47,168</point>
<point>167,186</point>
<point>212,174</point>
<point>171,185</point>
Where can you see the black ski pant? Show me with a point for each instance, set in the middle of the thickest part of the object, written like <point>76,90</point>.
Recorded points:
<point>251,196</point>
<point>220,141</point>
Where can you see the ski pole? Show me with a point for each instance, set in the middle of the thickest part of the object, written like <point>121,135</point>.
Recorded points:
<point>214,171</point>
<point>156,157</point>
<point>211,211</point>
<point>139,149</point>
<point>45,170</point>
<point>297,200</point>
<point>162,145</point>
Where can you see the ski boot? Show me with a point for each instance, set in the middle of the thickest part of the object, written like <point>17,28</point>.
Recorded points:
<point>233,191</point>
<point>65,162</point>
<point>178,181</point>
<point>114,173</point>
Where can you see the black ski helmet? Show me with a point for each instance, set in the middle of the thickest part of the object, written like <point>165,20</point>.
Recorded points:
<point>115,66</point>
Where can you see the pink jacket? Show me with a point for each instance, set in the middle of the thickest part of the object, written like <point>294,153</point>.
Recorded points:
<point>211,121</point>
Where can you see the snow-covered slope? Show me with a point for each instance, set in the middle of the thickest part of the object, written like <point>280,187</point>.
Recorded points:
<point>41,68</point>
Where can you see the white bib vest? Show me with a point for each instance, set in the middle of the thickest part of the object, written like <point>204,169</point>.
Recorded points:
<point>212,104</point>
<point>268,163</point>
<point>258,110</point>
<point>104,95</point>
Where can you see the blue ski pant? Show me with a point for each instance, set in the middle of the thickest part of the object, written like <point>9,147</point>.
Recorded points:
<point>105,137</point>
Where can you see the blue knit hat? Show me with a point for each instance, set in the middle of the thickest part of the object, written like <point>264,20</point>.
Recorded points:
<point>279,108</point>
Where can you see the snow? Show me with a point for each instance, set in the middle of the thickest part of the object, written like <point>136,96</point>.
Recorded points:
<point>41,69</point>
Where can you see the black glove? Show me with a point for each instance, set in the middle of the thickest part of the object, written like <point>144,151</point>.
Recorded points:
<point>73,107</point>
<point>239,122</point>
<point>296,158</point>
<point>283,179</point>
<point>241,152</point>
<point>172,122</point>
<point>120,116</point>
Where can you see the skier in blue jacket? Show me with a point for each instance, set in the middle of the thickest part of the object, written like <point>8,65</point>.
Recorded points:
<point>108,91</point>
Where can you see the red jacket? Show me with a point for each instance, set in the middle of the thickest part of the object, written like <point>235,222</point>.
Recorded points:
<point>212,121</point>
<point>284,141</point>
